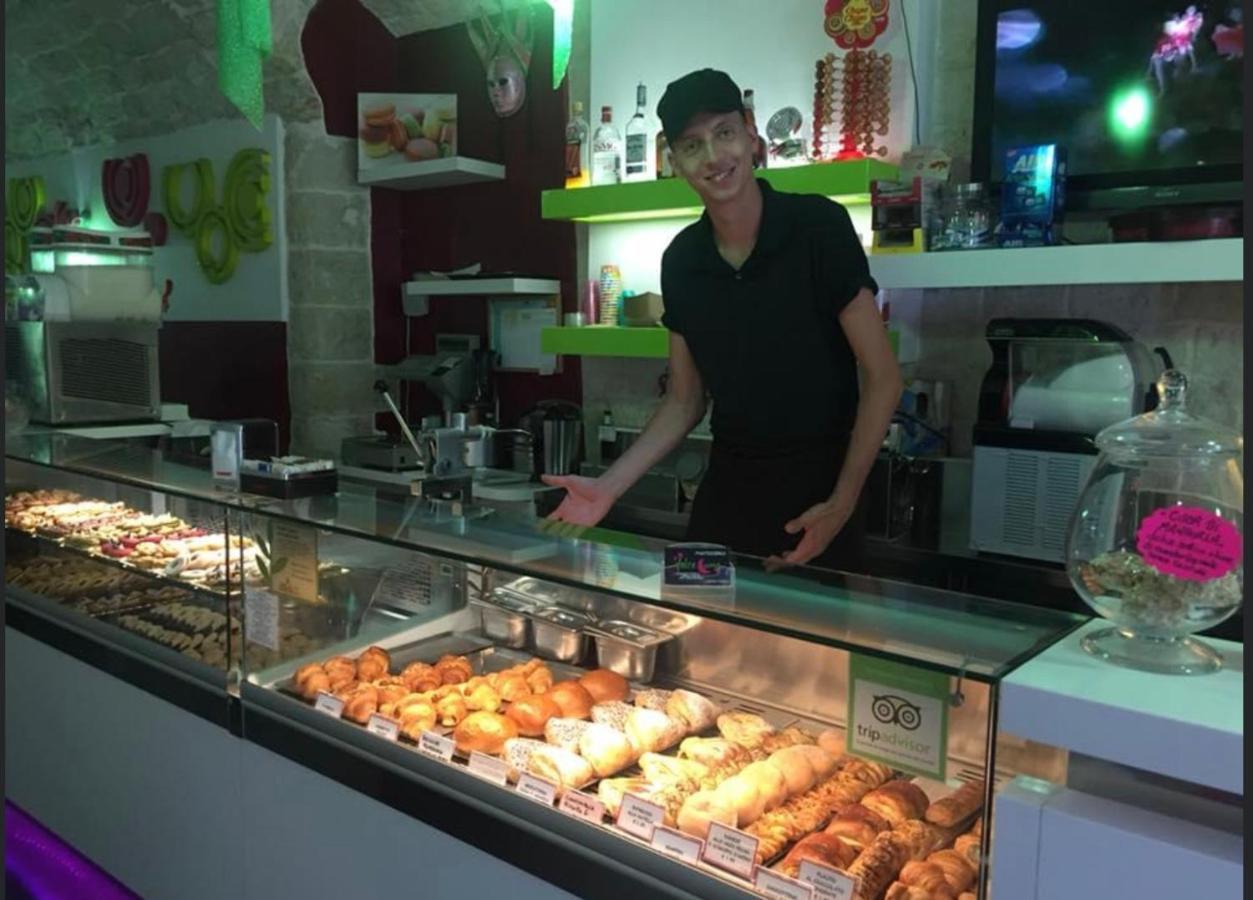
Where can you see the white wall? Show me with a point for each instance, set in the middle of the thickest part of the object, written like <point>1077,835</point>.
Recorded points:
<point>258,290</point>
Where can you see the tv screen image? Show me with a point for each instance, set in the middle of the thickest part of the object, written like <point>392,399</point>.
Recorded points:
<point>1129,87</point>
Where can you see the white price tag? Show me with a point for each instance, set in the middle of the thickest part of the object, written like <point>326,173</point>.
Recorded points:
<point>731,850</point>
<point>261,618</point>
<point>582,806</point>
<point>772,884</point>
<point>676,843</point>
<point>537,789</point>
<point>436,745</point>
<point>828,883</point>
<point>329,704</point>
<point>638,817</point>
<point>388,729</point>
<point>489,767</point>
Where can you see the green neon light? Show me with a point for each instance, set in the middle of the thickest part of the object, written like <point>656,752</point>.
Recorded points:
<point>1130,112</point>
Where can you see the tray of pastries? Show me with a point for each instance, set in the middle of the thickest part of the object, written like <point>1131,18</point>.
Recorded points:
<point>73,580</point>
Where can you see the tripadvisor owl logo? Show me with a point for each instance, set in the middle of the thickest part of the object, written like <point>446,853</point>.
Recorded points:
<point>890,709</point>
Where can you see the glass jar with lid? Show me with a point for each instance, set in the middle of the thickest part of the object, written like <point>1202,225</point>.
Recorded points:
<point>967,218</point>
<point>1156,542</point>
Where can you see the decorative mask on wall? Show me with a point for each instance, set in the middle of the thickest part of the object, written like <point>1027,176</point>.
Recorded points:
<point>504,47</point>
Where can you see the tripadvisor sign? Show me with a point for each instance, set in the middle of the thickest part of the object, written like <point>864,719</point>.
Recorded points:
<point>898,715</point>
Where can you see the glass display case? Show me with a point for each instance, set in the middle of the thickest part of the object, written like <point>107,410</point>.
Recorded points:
<point>787,733</point>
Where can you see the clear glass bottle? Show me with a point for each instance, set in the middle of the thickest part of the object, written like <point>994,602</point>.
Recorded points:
<point>608,436</point>
<point>606,150</point>
<point>1156,542</point>
<point>578,148</point>
<point>637,155</point>
<point>750,116</point>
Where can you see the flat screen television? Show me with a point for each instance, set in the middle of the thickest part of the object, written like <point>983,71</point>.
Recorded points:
<point>1147,96</point>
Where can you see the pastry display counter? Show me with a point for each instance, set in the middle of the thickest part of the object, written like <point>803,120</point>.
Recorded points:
<point>539,695</point>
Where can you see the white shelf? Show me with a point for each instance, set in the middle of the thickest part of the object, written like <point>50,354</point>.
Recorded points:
<point>1181,726</point>
<point>482,287</point>
<point>432,173</point>
<point>1217,260</point>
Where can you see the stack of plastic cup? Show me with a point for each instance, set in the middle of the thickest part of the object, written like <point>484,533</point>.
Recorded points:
<point>610,294</point>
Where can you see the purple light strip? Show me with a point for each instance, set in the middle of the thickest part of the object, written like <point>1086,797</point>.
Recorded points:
<point>50,869</point>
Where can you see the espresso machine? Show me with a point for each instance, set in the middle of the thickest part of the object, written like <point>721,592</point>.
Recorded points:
<point>1053,384</point>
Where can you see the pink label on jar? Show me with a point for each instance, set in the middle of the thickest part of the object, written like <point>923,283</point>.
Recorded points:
<point>1190,543</point>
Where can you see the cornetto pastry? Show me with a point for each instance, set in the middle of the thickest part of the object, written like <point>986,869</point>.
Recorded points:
<point>957,806</point>
<point>614,714</point>
<point>957,869</point>
<point>573,698</point>
<point>485,732</point>
<point>920,837</point>
<point>858,825</point>
<point>877,865</point>
<point>565,732</point>
<point>605,685</point>
<point>606,749</point>
<point>361,704</point>
<point>745,729</point>
<point>824,849</point>
<point>513,687</point>
<point>420,676</point>
<point>897,801</point>
<point>687,706</point>
<point>562,767</point>
<point>702,809</point>
<point>532,713</point>
<point>371,667</point>
<point>925,875</point>
<point>650,730</point>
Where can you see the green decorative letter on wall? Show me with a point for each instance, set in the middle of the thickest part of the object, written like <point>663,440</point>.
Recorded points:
<point>243,198</point>
<point>216,250</point>
<point>241,222</point>
<point>203,188</point>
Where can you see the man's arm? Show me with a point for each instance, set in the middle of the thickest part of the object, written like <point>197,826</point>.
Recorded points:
<point>881,385</point>
<point>589,499</point>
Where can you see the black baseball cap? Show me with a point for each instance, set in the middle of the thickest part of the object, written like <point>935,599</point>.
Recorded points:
<point>705,90</point>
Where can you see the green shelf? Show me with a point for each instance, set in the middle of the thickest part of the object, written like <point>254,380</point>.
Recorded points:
<point>607,340</point>
<point>847,182</point>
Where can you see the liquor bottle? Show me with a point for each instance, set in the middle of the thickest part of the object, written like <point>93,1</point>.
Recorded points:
<point>608,436</point>
<point>661,159</point>
<point>606,150</point>
<point>637,168</point>
<point>750,116</point>
<point>577,148</point>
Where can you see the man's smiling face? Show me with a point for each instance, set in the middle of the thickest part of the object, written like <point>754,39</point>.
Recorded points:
<point>714,154</point>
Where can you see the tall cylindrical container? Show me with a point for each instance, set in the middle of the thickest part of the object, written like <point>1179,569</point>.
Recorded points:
<point>610,294</point>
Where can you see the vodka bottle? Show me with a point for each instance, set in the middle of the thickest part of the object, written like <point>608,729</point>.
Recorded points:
<point>578,148</point>
<point>637,155</point>
<point>606,150</point>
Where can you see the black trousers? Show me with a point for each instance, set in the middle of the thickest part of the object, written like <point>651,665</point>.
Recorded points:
<point>749,494</point>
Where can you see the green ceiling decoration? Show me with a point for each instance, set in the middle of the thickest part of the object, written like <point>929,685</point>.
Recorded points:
<point>244,41</point>
<point>563,37</point>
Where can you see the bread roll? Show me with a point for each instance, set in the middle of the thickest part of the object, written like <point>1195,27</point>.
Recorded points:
<point>709,751</point>
<point>743,796</point>
<point>607,749</point>
<point>605,685</point>
<point>897,801</point>
<point>563,768</point>
<point>745,729</point>
<point>517,754</point>
<point>958,871</point>
<point>920,837</point>
<point>877,865</point>
<point>573,698</point>
<point>703,808</point>
<point>771,783</point>
<point>797,770</point>
<point>957,806</point>
<point>614,714</point>
<point>565,733</point>
<point>857,825</point>
<point>650,730</point>
<point>687,706</point>
<point>652,698</point>
<point>532,713</point>
<point>968,845</point>
<point>824,849</point>
<point>485,732</point>
<point>513,687</point>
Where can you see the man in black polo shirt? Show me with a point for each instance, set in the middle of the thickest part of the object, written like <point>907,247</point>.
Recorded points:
<point>771,312</point>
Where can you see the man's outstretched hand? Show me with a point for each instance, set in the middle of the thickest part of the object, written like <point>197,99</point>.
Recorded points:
<point>818,527</point>
<point>587,499</point>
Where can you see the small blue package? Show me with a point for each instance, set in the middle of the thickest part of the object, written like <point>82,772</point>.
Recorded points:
<point>1033,196</point>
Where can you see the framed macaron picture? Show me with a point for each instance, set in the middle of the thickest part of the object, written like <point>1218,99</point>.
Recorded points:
<point>404,128</point>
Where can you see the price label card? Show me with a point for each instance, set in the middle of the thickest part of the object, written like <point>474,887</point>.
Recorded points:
<point>582,806</point>
<point>827,883</point>
<point>731,850</point>
<point>388,729</point>
<point>261,617</point>
<point>638,817</point>
<point>329,704</point>
<point>772,884</point>
<point>436,745</point>
<point>489,767</point>
<point>537,789</point>
<point>676,843</point>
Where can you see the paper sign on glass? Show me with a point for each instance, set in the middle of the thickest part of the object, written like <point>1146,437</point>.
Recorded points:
<point>898,715</point>
<point>261,617</point>
<point>731,850</point>
<point>294,560</point>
